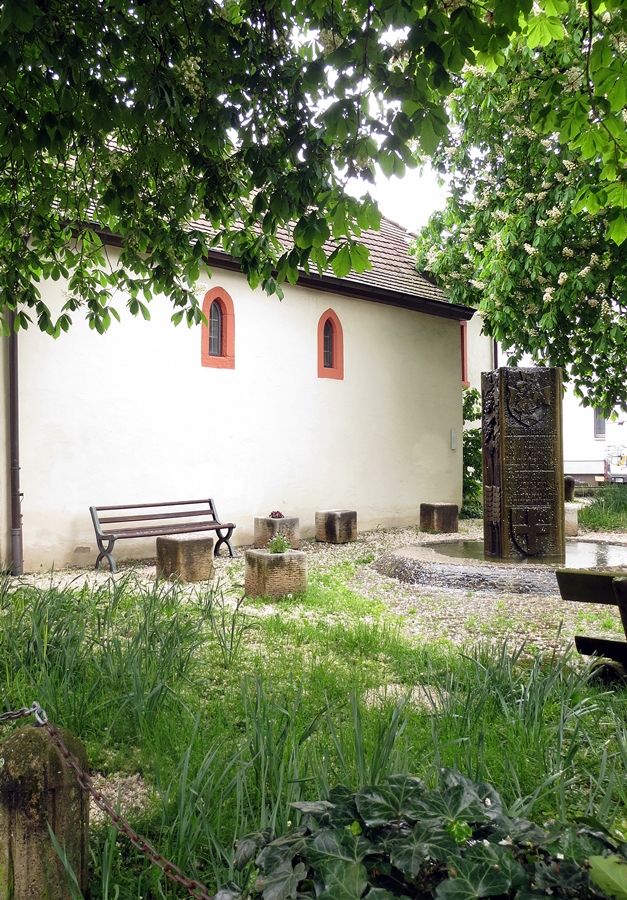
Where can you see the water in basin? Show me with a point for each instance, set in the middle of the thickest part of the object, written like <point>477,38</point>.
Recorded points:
<point>579,554</point>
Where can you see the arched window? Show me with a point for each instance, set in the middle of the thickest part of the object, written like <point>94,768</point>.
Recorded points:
<point>330,346</point>
<point>215,329</point>
<point>218,335</point>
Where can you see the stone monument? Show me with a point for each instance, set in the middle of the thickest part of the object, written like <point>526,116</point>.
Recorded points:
<point>523,473</point>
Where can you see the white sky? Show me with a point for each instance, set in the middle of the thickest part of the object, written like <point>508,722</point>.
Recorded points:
<point>409,201</point>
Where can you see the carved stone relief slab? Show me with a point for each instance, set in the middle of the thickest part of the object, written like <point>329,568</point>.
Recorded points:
<point>523,462</point>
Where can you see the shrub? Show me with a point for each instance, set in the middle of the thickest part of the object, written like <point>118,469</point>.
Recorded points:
<point>458,842</point>
<point>279,544</point>
<point>608,509</point>
<point>472,462</point>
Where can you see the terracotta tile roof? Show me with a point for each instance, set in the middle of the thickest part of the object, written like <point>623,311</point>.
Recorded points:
<point>393,278</point>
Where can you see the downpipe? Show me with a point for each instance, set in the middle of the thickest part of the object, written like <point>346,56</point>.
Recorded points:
<point>17,547</point>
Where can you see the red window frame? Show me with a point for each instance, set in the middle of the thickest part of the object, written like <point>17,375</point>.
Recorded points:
<point>337,369</point>
<point>227,359</point>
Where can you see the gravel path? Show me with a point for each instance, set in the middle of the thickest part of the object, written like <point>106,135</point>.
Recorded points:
<point>436,610</point>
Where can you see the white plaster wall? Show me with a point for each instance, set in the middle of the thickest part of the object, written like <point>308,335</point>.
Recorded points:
<point>131,416</point>
<point>583,453</point>
<point>480,351</point>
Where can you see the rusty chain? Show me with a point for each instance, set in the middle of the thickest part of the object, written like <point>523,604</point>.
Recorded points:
<point>171,871</point>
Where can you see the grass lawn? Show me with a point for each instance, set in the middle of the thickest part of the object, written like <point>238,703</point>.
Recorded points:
<point>220,716</point>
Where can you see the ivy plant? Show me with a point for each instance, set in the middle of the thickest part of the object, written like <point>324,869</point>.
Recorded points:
<point>399,839</point>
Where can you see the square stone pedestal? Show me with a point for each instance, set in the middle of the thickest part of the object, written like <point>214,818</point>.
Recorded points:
<point>571,519</point>
<point>439,517</point>
<point>266,528</point>
<point>275,574</point>
<point>336,526</point>
<point>188,557</point>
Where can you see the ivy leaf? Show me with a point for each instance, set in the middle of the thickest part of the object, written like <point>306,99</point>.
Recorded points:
<point>398,800</point>
<point>458,803</point>
<point>247,846</point>
<point>282,850</point>
<point>610,874</point>
<point>565,875</point>
<point>425,842</point>
<point>343,880</point>
<point>228,891</point>
<point>314,808</point>
<point>281,883</point>
<point>470,879</point>
<point>326,845</point>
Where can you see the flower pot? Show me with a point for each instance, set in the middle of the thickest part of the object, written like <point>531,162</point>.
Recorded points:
<point>266,528</point>
<point>275,574</point>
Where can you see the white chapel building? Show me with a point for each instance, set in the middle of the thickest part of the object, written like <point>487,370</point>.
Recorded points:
<point>345,394</point>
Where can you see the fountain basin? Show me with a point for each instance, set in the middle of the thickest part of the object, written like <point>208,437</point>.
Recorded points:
<point>461,564</point>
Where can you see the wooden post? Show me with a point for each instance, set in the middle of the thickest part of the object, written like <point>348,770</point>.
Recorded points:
<point>38,788</point>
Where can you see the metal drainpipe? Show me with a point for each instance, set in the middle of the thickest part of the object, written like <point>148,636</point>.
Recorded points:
<point>17,552</point>
<point>495,352</point>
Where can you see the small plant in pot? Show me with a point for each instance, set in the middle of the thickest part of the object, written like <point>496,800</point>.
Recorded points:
<point>279,544</point>
<point>401,840</point>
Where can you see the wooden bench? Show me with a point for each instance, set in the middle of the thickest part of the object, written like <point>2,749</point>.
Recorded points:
<point>144,520</point>
<point>607,588</point>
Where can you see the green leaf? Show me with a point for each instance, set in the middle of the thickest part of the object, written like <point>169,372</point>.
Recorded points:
<point>247,846</point>
<point>473,878</point>
<point>398,800</point>
<point>543,29</point>
<point>425,842</point>
<point>313,808</point>
<point>343,880</point>
<point>283,849</point>
<point>327,845</point>
<point>455,804</point>
<point>281,883</point>
<point>340,261</point>
<point>610,874</point>
<point>617,229</point>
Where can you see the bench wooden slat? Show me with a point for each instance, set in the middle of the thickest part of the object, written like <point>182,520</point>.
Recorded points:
<point>155,505</point>
<point>183,528</point>
<point>585,586</point>
<point>147,516</point>
<point>590,646</point>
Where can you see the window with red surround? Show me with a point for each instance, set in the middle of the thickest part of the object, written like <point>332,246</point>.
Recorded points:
<point>218,335</point>
<point>463,327</point>
<point>330,346</point>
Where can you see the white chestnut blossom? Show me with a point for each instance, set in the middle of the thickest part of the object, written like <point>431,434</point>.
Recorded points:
<point>562,278</point>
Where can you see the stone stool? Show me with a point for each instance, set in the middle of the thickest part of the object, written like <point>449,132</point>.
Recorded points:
<point>439,517</point>
<point>188,557</point>
<point>336,526</point>
<point>571,519</point>
<point>266,528</point>
<point>275,574</point>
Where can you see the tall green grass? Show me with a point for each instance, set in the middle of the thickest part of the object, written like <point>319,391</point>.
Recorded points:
<point>231,724</point>
<point>608,509</point>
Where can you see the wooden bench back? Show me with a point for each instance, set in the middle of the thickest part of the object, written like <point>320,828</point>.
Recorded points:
<point>136,516</point>
<point>588,586</point>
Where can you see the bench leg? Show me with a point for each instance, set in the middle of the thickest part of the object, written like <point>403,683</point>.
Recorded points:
<point>223,539</point>
<point>106,553</point>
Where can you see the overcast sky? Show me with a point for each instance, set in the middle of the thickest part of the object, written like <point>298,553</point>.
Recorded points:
<point>409,200</point>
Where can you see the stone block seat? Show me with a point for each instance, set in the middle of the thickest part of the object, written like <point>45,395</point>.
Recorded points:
<point>439,517</point>
<point>336,526</point>
<point>188,557</point>
<point>275,574</point>
<point>267,527</point>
